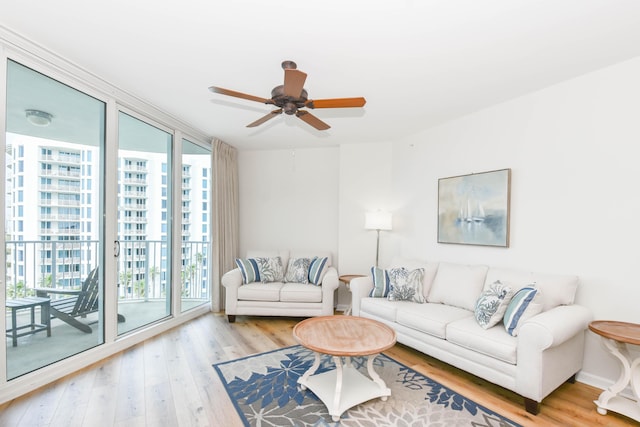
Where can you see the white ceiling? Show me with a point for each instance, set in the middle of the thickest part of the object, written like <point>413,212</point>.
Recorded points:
<point>417,62</point>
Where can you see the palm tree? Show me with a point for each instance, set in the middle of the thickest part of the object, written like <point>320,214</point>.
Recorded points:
<point>153,274</point>
<point>125,280</point>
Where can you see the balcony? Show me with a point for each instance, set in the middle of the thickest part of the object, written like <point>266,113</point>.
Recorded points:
<point>141,291</point>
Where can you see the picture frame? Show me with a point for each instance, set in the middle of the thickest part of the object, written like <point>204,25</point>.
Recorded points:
<point>474,209</point>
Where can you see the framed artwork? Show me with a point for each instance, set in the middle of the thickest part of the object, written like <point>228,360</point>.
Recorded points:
<point>474,209</point>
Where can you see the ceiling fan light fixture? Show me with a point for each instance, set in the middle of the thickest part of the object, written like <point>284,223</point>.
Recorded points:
<point>38,118</point>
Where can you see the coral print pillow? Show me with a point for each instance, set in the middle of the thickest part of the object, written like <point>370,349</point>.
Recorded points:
<point>298,270</point>
<point>406,285</point>
<point>271,269</point>
<point>492,304</point>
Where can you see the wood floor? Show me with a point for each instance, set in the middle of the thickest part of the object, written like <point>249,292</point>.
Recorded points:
<point>168,381</point>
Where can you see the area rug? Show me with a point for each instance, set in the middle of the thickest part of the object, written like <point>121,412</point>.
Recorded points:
<point>264,390</point>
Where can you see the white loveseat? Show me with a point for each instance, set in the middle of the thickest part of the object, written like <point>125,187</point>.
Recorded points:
<point>547,351</point>
<point>281,298</point>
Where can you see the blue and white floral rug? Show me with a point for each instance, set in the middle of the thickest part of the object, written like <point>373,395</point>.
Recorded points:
<point>264,390</point>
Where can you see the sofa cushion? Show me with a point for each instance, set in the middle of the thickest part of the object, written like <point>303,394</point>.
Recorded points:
<point>317,269</point>
<point>260,291</point>
<point>381,283</point>
<point>524,305</point>
<point>249,270</point>
<point>406,285</point>
<point>494,342</point>
<point>556,289</point>
<point>458,285</point>
<point>430,318</point>
<point>381,307</point>
<point>300,292</point>
<point>298,270</point>
<point>492,304</point>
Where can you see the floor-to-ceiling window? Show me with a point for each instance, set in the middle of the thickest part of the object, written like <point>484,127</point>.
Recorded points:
<point>195,232</point>
<point>55,138</point>
<point>94,204</point>
<point>144,227</point>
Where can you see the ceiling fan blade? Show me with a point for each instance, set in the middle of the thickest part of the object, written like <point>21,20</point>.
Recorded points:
<point>263,119</point>
<point>312,120</point>
<point>294,82</point>
<point>222,91</point>
<point>336,103</point>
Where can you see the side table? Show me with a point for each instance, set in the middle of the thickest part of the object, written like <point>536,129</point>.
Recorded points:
<point>615,337</point>
<point>33,327</point>
<point>346,279</point>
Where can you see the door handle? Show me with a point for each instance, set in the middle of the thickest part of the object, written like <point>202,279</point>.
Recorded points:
<point>116,248</point>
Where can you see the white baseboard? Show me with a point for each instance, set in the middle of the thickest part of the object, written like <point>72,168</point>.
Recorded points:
<point>602,383</point>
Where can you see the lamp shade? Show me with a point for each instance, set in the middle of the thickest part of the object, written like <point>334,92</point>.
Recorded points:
<point>377,220</point>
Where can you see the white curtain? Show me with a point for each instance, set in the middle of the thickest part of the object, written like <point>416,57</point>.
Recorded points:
<point>225,221</point>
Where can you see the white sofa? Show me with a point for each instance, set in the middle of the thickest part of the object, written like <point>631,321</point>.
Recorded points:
<point>547,351</point>
<point>280,298</point>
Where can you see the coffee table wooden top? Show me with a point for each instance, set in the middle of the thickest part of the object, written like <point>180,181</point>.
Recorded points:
<point>619,331</point>
<point>344,335</point>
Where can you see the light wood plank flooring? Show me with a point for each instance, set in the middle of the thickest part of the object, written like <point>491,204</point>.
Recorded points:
<point>169,381</point>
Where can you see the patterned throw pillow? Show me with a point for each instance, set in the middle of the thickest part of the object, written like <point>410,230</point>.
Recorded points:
<point>249,270</point>
<point>524,305</point>
<point>406,285</point>
<point>298,270</point>
<point>492,304</point>
<point>317,269</point>
<point>271,269</point>
<point>381,283</point>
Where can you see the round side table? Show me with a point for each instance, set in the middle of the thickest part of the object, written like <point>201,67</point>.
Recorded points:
<point>615,337</point>
<point>346,279</point>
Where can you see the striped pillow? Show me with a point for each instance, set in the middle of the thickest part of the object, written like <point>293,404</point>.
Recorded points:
<point>317,269</point>
<point>524,305</point>
<point>381,283</point>
<point>249,269</point>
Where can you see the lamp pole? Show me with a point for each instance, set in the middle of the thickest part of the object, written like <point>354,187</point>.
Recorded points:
<point>377,246</point>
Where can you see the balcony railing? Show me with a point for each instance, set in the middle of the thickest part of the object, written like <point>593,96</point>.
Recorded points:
<point>65,265</point>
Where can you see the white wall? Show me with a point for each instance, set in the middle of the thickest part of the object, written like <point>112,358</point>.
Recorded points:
<point>575,197</point>
<point>289,200</point>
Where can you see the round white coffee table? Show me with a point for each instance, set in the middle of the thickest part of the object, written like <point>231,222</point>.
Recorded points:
<point>344,336</point>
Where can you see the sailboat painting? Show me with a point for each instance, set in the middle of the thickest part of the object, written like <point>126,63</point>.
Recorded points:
<point>474,209</point>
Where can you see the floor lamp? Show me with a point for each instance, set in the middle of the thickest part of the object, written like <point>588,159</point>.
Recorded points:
<point>377,220</point>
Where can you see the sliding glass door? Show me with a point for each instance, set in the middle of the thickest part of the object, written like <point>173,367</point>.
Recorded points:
<point>55,138</point>
<point>144,232</point>
<point>196,217</point>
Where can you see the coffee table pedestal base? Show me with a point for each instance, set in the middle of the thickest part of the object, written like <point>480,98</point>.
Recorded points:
<point>344,387</point>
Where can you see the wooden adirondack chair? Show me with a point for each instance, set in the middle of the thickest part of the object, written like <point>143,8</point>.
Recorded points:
<point>78,304</point>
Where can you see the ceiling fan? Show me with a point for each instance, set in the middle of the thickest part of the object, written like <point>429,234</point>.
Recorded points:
<point>291,97</point>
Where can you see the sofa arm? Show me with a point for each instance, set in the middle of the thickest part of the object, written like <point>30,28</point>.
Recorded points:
<point>231,280</point>
<point>329,284</point>
<point>360,288</point>
<point>553,327</point>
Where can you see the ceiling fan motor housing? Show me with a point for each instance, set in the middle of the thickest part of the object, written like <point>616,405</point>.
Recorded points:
<point>288,104</point>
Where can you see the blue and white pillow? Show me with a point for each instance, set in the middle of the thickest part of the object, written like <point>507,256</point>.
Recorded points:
<point>317,269</point>
<point>524,305</point>
<point>271,269</point>
<point>406,285</point>
<point>492,304</point>
<point>381,283</point>
<point>249,269</point>
<point>298,270</point>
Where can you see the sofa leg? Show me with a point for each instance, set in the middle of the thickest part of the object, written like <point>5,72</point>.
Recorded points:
<point>531,406</point>
<point>232,318</point>
<point>572,379</point>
